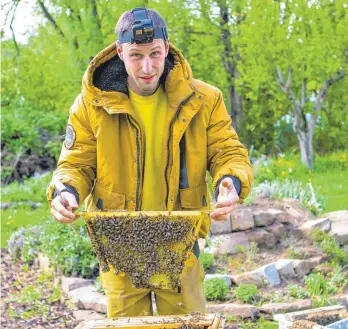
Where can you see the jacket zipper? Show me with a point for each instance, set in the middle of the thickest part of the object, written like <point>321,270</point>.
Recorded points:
<point>137,191</point>
<point>171,124</point>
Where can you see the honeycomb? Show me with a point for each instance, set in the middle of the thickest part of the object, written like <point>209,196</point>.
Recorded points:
<point>152,250</point>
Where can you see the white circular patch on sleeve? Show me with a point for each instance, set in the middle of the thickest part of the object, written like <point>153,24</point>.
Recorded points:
<point>70,137</point>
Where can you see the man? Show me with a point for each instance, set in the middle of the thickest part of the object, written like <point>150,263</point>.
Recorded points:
<point>141,136</point>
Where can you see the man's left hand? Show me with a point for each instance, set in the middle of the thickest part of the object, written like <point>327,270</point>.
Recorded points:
<point>226,201</point>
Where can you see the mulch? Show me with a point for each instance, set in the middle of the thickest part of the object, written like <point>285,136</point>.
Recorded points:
<point>18,307</point>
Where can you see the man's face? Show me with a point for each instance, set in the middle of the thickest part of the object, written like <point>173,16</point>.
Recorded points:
<point>144,64</point>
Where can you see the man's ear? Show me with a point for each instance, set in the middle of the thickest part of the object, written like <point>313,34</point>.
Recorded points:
<point>119,50</point>
<point>166,44</point>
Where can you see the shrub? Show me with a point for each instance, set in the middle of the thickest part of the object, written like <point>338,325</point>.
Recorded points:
<point>296,291</point>
<point>260,324</point>
<point>68,250</point>
<point>319,288</point>
<point>293,190</point>
<point>329,245</point>
<point>252,252</point>
<point>296,253</point>
<point>24,243</point>
<point>339,277</point>
<point>30,189</point>
<point>246,292</point>
<point>216,288</point>
<point>206,259</point>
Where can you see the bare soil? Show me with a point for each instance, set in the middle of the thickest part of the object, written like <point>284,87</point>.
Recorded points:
<point>14,280</point>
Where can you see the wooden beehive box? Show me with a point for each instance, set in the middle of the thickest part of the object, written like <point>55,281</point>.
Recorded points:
<point>190,321</point>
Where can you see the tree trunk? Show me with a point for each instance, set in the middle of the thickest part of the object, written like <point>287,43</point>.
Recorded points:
<point>230,65</point>
<point>236,101</point>
<point>306,148</point>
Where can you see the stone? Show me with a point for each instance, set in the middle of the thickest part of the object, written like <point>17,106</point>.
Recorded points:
<point>323,224</point>
<point>249,278</point>
<point>315,261</point>
<point>69,284</point>
<point>226,277</point>
<point>220,227</point>
<point>337,215</point>
<point>339,299</point>
<point>286,269</point>
<point>296,209</point>
<point>266,217</point>
<point>242,219</point>
<point>302,267</point>
<point>201,243</point>
<point>83,315</point>
<point>339,231</point>
<point>276,229</point>
<point>298,305</point>
<point>270,274</point>
<point>80,325</point>
<point>262,237</point>
<point>44,263</point>
<point>88,298</point>
<point>316,312</point>
<point>262,276</point>
<point>231,243</point>
<point>237,310</point>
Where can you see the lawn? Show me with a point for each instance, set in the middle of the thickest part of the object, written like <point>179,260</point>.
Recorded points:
<point>329,178</point>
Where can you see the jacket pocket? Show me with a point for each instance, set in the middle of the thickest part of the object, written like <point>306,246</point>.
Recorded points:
<point>193,198</point>
<point>106,200</point>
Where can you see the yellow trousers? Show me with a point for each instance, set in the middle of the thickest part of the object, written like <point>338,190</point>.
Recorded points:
<point>125,300</point>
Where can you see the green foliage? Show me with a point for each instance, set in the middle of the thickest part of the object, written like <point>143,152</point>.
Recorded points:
<point>216,289</point>
<point>246,292</point>
<point>319,289</point>
<point>206,259</point>
<point>251,253</point>
<point>28,205</point>
<point>37,92</point>
<point>32,298</point>
<point>290,189</point>
<point>296,253</point>
<point>68,249</point>
<point>98,284</point>
<point>329,245</point>
<point>260,324</point>
<point>275,37</point>
<point>274,176</point>
<point>339,276</point>
<point>296,291</point>
<point>30,190</point>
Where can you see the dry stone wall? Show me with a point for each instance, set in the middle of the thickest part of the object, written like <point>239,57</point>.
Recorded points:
<point>267,221</point>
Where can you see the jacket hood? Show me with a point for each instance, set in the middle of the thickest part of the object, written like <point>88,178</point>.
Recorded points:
<point>105,81</point>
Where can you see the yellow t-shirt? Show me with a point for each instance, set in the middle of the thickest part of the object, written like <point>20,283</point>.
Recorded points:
<point>150,112</point>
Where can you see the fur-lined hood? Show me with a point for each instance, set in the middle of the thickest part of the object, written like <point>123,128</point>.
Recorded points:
<point>105,81</point>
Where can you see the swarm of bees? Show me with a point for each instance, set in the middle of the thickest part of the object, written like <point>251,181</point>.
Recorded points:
<point>143,247</point>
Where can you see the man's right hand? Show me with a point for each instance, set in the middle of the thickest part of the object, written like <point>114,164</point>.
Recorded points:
<point>63,213</point>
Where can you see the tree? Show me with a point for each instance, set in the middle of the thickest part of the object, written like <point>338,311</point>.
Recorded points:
<point>306,40</point>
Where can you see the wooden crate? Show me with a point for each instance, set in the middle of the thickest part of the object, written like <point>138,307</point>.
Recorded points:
<point>194,320</point>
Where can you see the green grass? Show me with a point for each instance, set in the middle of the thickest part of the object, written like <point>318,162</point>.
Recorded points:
<point>12,219</point>
<point>329,178</point>
<point>31,190</point>
<point>333,188</point>
<point>21,215</point>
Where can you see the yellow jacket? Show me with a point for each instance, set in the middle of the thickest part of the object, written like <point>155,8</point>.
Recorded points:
<point>102,157</point>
